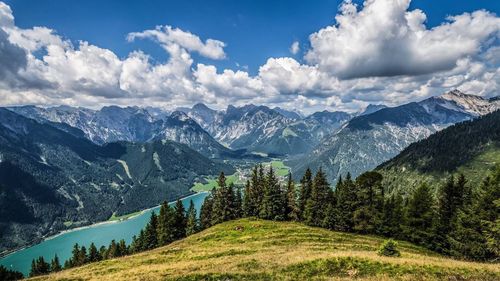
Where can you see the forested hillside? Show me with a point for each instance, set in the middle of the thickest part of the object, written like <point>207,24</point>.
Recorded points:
<point>471,147</point>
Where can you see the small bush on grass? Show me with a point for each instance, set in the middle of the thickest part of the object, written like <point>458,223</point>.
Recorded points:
<point>389,249</point>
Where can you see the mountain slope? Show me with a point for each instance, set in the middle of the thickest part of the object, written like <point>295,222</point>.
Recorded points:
<point>368,140</point>
<point>181,128</point>
<point>109,124</point>
<point>50,179</point>
<point>471,147</point>
<point>250,249</point>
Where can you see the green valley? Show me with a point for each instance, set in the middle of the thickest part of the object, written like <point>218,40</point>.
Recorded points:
<point>239,177</point>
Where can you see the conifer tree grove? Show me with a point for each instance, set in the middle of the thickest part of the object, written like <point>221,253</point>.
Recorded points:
<point>419,215</point>
<point>55,265</point>
<point>273,202</point>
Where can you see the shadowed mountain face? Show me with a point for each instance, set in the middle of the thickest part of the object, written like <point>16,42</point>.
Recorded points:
<point>50,178</point>
<point>368,140</point>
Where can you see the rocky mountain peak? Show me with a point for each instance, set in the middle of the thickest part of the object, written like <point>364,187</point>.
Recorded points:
<point>472,104</point>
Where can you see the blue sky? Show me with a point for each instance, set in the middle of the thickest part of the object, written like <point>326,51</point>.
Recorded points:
<point>382,51</point>
<point>254,30</point>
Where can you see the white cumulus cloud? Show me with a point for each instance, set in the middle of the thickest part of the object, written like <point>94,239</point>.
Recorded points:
<point>295,47</point>
<point>166,36</point>
<point>384,38</point>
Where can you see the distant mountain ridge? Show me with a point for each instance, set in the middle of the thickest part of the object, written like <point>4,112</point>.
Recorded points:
<point>216,134</point>
<point>257,129</point>
<point>368,140</point>
<point>271,131</point>
<point>112,123</point>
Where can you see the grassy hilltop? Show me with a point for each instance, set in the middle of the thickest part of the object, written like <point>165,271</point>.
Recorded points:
<point>251,249</point>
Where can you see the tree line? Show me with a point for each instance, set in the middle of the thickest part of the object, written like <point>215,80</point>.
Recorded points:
<point>172,223</point>
<point>459,221</point>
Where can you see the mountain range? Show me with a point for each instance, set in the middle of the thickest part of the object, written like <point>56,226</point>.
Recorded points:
<point>338,141</point>
<point>216,134</point>
<point>368,140</point>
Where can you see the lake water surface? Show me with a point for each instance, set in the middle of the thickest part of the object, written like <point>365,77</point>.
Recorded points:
<point>100,234</point>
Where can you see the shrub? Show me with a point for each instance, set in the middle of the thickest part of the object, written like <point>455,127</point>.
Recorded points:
<point>389,249</point>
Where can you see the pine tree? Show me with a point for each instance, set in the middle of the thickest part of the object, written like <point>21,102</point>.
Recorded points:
<point>419,216</point>
<point>34,269</point>
<point>103,252</point>
<point>292,210</point>
<point>259,187</point>
<point>206,212</point>
<point>150,237</point>
<point>475,233</point>
<point>82,257</point>
<point>138,244</point>
<point>165,228</point>
<point>223,202</point>
<point>55,265</point>
<point>8,274</point>
<point>248,204</point>
<point>314,212</point>
<point>369,202</point>
<point>180,220</point>
<point>237,203</point>
<point>451,200</point>
<point>466,239</point>
<point>192,220</point>
<point>346,204</point>
<point>331,216</point>
<point>39,267</point>
<point>251,197</point>
<point>392,216</point>
<point>75,255</point>
<point>305,191</point>
<point>122,248</point>
<point>488,208</point>
<point>94,253</point>
<point>112,251</point>
<point>273,204</point>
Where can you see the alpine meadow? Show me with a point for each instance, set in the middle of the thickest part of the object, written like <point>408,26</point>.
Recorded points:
<point>250,140</point>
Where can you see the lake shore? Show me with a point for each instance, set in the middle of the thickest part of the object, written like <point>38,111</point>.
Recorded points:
<point>52,236</point>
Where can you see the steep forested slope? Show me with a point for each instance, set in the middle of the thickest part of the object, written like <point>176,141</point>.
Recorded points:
<point>471,147</point>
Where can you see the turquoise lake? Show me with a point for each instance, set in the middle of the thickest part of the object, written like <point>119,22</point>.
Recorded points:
<point>100,234</point>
